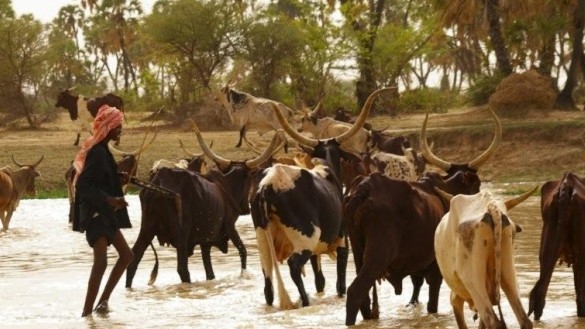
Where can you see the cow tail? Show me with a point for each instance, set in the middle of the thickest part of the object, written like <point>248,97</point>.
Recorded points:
<point>154,272</point>
<point>497,220</point>
<point>283,296</point>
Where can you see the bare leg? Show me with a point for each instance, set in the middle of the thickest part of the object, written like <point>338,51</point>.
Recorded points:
<point>124,259</point>
<point>100,262</point>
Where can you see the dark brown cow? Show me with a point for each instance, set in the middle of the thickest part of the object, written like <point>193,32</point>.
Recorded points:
<point>210,205</point>
<point>384,142</point>
<point>563,228</point>
<point>13,185</point>
<point>82,110</point>
<point>297,211</point>
<point>391,226</point>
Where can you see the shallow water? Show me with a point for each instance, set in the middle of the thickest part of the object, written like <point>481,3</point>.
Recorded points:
<point>44,267</point>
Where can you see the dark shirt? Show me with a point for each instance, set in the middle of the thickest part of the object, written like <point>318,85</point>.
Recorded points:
<point>98,180</point>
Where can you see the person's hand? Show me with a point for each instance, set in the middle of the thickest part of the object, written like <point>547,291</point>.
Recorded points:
<point>124,177</point>
<point>117,202</point>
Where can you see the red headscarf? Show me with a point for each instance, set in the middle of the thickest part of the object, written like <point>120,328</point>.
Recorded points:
<point>106,119</point>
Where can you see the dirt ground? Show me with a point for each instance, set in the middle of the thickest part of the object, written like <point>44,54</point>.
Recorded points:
<point>535,148</point>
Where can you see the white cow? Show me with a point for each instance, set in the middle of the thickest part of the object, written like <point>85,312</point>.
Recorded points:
<point>474,246</point>
<point>250,112</point>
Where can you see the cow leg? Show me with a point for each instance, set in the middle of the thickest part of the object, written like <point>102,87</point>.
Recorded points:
<point>76,143</point>
<point>6,219</point>
<point>367,273</point>
<point>206,257</point>
<point>138,249</point>
<point>342,256</point>
<point>510,286</point>
<point>457,304</point>
<point>295,264</point>
<point>239,244</point>
<point>242,135</point>
<point>434,279</point>
<point>319,277</point>
<point>417,282</point>
<point>182,262</point>
<point>268,289</point>
<point>579,281</point>
<point>4,224</point>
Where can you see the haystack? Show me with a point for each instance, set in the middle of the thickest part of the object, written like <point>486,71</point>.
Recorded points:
<point>521,92</point>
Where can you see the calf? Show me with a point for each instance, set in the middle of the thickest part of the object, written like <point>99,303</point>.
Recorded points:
<point>250,112</point>
<point>474,246</point>
<point>82,110</point>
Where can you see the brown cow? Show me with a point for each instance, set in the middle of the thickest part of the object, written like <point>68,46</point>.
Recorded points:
<point>563,228</point>
<point>13,185</point>
<point>391,226</point>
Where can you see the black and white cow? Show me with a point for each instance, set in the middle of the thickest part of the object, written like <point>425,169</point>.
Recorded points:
<point>82,110</point>
<point>297,211</point>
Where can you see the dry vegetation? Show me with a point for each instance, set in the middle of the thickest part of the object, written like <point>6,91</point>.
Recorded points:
<point>535,148</point>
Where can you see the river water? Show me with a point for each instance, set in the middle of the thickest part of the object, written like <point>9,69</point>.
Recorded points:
<point>44,267</point>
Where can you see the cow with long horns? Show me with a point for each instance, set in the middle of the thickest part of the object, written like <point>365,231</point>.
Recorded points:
<point>391,226</point>
<point>474,246</point>
<point>206,215</point>
<point>297,211</point>
<point>14,184</point>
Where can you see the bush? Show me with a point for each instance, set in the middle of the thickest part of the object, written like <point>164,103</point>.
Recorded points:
<point>424,100</point>
<point>483,87</point>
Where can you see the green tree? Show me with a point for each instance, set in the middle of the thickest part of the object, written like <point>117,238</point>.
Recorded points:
<point>201,36</point>
<point>22,54</point>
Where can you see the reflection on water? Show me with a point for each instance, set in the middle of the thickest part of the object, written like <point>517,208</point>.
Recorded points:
<point>44,269</point>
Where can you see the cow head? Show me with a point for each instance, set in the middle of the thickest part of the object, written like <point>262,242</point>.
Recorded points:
<point>329,149</point>
<point>242,169</point>
<point>129,161</point>
<point>65,99</point>
<point>28,176</point>
<point>472,166</point>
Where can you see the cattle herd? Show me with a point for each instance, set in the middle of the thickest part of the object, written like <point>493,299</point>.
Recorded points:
<point>345,188</point>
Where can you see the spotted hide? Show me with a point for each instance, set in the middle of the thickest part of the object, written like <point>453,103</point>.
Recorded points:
<point>474,246</point>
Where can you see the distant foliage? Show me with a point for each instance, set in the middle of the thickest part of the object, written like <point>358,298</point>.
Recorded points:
<point>482,88</point>
<point>425,100</point>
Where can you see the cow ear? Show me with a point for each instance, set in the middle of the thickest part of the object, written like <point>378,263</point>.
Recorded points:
<point>518,228</point>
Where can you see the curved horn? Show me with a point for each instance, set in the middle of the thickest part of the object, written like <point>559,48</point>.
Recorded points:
<point>515,201</point>
<point>475,164</point>
<point>23,165</point>
<point>191,154</point>
<point>16,162</point>
<point>251,146</point>
<point>291,131</point>
<point>139,150</point>
<point>445,195</point>
<point>222,162</point>
<point>426,151</point>
<point>315,111</point>
<point>277,138</point>
<point>361,119</point>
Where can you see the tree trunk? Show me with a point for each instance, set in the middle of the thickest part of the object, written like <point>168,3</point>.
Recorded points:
<point>565,99</point>
<point>366,82</point>
<point>497,38</point>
